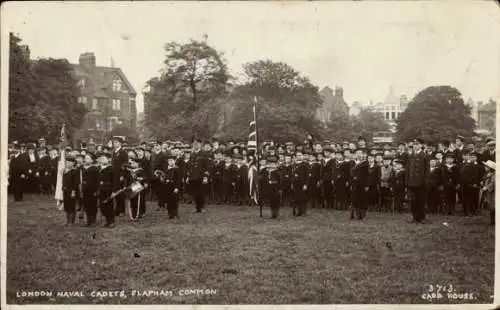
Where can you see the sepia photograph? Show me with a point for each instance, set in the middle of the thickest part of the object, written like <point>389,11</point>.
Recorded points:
<point>249,152</point>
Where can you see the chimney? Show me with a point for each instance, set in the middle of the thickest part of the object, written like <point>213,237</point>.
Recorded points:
<point>87,60</point>
<point>339,92</point>
<point>25,51</point>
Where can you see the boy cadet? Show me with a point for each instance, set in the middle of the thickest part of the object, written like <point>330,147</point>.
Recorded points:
<point>70,189</point>
<point>172,187</point>
<point>398,184</point>
<point>314,181</point>
<point>432,186</point>
<point>469,178</point>
<point>90,186</point>
<point>217,177</point>
<point>106,179</point>
<point>286,178</point>
<point>341,177</point>
<point>328,180</point>
<point>273,186</point>
<point>359,185</point>
<point>385,188</point>
<point>300,178</point>
<point>449,181</point>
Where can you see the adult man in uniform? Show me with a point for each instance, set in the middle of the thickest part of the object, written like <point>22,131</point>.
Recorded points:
<point>118,162</point>
<point>416,174</point>
<point>197,176</point>
<point>272,188</point>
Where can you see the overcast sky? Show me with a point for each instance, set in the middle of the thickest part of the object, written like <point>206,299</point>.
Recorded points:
<point>365,47</point>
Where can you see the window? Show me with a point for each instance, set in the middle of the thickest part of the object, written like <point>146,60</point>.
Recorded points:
<point>117,85</point>
<point>116,104</point>
<point>393,115</point>
<point>94,103</point>
<point>81,83</point>
<point>386,115</point>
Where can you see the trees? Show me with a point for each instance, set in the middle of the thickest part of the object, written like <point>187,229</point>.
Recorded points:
<point>367,122</point>
<point>184,100</point>
<point>434,114</point>
<point>287,102</point>
<point>42,96</point>
<point>343,127</point>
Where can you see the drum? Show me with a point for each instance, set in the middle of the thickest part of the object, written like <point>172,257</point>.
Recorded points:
<point>134,189</point>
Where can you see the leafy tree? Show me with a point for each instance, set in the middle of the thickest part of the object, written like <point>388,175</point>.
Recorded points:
<point>185,99</point>
<point>287,102</point>
<point>42,96</point>
<point>339,128</point>
<point>434,114</point>
<point>367,122</point>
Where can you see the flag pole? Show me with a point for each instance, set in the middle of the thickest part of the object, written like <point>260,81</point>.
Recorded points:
<point>257,153</point>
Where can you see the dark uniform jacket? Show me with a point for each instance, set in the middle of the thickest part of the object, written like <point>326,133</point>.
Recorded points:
<point>119,160</point>
<point>434,177</point>
<point>106,179</point>
<point>417,169</point>
<point>359,176</point>
<point>90,180</point>
<point>450,175</point>
<point>470,174</point>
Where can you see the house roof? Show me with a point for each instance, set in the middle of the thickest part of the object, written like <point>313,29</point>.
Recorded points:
<point>100,78</point>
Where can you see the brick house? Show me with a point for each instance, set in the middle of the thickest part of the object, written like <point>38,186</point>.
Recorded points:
<point>108,96</point>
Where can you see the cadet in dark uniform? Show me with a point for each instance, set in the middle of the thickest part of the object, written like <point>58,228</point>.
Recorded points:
<point>341,177</point>
<point>300,178</point>
<point>373,182</point>
<point>398,184</point>
<point>70,189</point>
<point>198,176</point>
<point>314,181</point>
<point>119,160</point>
<point>218,171</point>
<point>106,179</point>
<point>273,187</point>
<point>286,179</point>
<point>416,174</point>
<point>90,187</point>
<point>136,174</point>
<point>450,174</point>
<point>328,177</point>
<point>432,186</point>
<point>44,170</point>
<point>470,178</point>
<point>172,188</point>
<point>18,170</point>
<point>359,185</point>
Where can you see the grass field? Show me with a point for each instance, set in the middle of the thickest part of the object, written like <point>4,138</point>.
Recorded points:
<point>322,258</point>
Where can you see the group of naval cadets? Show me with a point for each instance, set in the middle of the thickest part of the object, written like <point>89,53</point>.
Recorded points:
<point>349,176</point>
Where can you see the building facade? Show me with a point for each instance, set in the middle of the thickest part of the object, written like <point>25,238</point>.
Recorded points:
<point>391,108</point>
<point>333,103</point>
<point>486,117</point>
<point>108,96</point>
